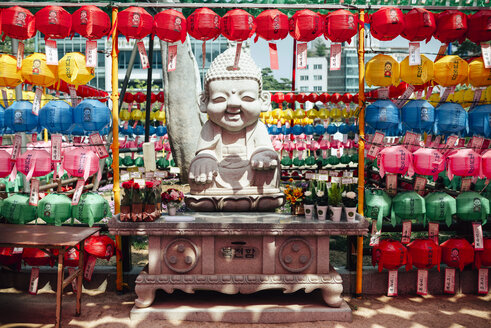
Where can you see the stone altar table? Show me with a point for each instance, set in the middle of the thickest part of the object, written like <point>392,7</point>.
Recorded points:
<point>238,253</point>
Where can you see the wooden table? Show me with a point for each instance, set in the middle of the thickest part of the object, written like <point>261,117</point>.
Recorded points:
<point>51,237</point>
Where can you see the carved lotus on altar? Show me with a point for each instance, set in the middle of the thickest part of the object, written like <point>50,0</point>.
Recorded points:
<point>236,167</point>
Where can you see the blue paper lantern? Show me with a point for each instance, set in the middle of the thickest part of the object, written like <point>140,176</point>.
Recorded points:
<point>285,130</point>
<point>19,117</point>
<point>91,115</point>
<point>297,129</point>
<point>151,130</point>
<point>308,129</point>
<point>383,115</point>
<point>479,120</point>
<point>2,119</point>
<point>418,116</point>
<point>161,131</point>
<point>355,128</point>
<point>56,117</point>
<point>344,128</point>
<point>139,130</point>
<point>331,129</point>
<point>319,129</point>
<point>450,118</point>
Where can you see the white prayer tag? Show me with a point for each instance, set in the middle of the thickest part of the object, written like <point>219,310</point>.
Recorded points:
<point>36,104</point>
<point>91,53</point>
<point>406,232</point>
<point>449,287</point>
<point>486,54</point>
<point>392,288</point>
<point>433,232</point>
<point>309,176</point>
<point>466,184</point>
<point>405,96</point>
<point>478,238</point>
<point>301,55</point>
<point>391,183</point>
<point>273,56</point>
<point>161,174</point>
<point>33,284</point>
<point>375,235</point>
<point>17,146</point>
<point>422,282</point>
<point>20,54</point>
<point>89,267</point>
<point>125,176</point>
<point>172,58</point>
<point>323,177</point>
<point>56,147</point>
<point>483,281</point>
<point>419,185</point>
<point>335,57</point>
<point>74,281</point>
<point>34,195</point>
<point>17,250</point>
<point>414,54</point>
<point>143,55</point>
<point>51,52</point>
<point>383,93</point>
<point>78,191</point>
<point>96,140</point>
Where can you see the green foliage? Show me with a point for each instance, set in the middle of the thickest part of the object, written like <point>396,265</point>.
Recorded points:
<point>467,49</point>
<point>335,194</point>
<point>320,49</point>
<point>271,83</point>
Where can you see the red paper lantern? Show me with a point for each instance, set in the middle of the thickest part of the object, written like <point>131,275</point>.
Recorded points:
<point>324,97</point>
<point>140,97</point>
<point>290,97</point>
<point>301,97</point>
<point>91,22</point>
<point>347,98</point>
<point>36,257</point>
<point>356,99</point>
<point>386,23</point>
<point>237,25</point>
<point>313,97</point>
<point>419,25</point>
<point>335,98</point>
<point>71,258</point>
<point>341,26</point>
<point>483,258</point>
<point>425,253</point>
<point>451,25</point>
<point>128,97</point>
<point>18,23</point>
<point>101,247</point>
<point>153,98</point>
<point>457,253</point>
<point>170,26</point>
<point>204,24</point>
<point>54,22</point>
<point>390,254</point>
<point>160,97</point>
<point>7,256</point>
<point>271,25</point>
<point>479,26</point>
<point>305,25</point>
<point>135,23</point>
<point>280,97</point>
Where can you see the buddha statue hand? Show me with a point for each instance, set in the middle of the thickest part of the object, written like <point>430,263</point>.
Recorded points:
<point>264,159</point>
<point>203,169</point>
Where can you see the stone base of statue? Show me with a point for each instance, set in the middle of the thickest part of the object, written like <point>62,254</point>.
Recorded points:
<point>235,203</point>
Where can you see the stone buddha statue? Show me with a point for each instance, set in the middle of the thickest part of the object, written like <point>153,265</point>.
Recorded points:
<point>236,167</point>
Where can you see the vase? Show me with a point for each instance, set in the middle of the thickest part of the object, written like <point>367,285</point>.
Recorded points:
<point>137,212</point>
<point>309,211</point>
<point>171,210</point>
<point>297,209</point>
<point>336,213</point>
<point>321,212</point>
<point>125,215</point>
<point>350,214</point>
<point>150,213</point>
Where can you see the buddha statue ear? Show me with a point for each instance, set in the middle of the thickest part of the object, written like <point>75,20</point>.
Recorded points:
<point>203,101</point>
<point>265,101</point>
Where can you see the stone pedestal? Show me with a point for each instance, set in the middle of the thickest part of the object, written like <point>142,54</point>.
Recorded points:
<point>238,253</point>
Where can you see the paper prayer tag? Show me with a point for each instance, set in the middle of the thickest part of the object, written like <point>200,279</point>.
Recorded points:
<point>34,281</point>
<point>422,288</point>
<point>56,140</point>
<point>483,281</point>
<point>143,55</point>
<point>89,267</point>
<point>414,54</point>
<point>34,194</point>
<point>335,57</point>
<point>17,147</point>
<point>91,53</point>
<point>406,232</point>
<point>486,54</point>
<point>20,55</point>
<point>449,287</point>
<point>392,285</point>
<point>36,104</point>
<point>78,191</point>
<point>375,235</point>
<point>433,232</point>
<point>301,55</point>
<point>51,52</point>
<point>172,58</point>
<point>96,140</point>
<point>478,236</point>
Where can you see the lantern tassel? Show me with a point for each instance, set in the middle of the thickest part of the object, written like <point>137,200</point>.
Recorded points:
<point>203,51</point>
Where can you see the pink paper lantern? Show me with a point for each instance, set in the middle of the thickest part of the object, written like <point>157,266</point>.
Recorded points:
<point>396,160</point>
<point>34,163</point>
<point>464,163</point>
<point>428,161</point>
<point>6,164</point>
<point>80,162</point>
<point>486,164</point>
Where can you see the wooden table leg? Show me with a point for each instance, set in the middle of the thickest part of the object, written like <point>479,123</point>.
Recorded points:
<point>59,287</point>
<point>80,278</point>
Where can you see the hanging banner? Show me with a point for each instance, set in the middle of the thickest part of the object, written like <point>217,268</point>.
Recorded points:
<point>335,57</point>
<point>172,58</point>
<point>91,53</point>
<point>51,52</point>
<point>301,55</point>
<point>414,54</point>
<point>273,56</point>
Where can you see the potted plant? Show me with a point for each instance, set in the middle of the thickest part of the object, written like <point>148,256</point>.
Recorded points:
<point>136,203</point>
<point>321,200</point>
<point>126,201</point>
<point>335,201</point>
<point>350,201</point>
<point>150,213</point>
<point>294,197</point>
<point>308,203</point>
<point>173,199</point>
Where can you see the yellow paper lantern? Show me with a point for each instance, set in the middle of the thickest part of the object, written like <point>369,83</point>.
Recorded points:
<point>9,74</point>
<point>124,115</point>
<point>382,71</point>
<point>277,113</point>
<point>419,74</point>
<point>488,95</point>
<point>479,76</point>
<point>36,71</point>
<point>136,115</point>
<point>313,113</point>
<point>288,114</point>
<point>10,93</point>
<point>458,97</point>
<point>269,120</point>
<point>434,99</point>
<point>450,70</point>
<point>160,116</point>
<point>72,69</point>
<point>323,113</point>
<point>335,113</point>
<point>299,113</point>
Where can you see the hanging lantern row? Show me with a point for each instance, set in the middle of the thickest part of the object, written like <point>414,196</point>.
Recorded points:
<point>238,25</point>
<point>335,98</point>
<point>140,97</point>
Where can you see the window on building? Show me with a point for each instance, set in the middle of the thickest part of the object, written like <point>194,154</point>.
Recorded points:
<point>317,88</point>
<point>304,88</point>
<point>317,77</point>
<point>304,77</point>
<point>317,66</point>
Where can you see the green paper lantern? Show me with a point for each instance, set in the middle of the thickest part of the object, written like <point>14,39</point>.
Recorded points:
<point>440,207</point>
<point>333,160</point>
<point>471,206</point>
<point>298,162</point>
<point>16,209</point>
<point>172,163</point>
<point>310,161</point>
<point>345,159</point>
<point>162,163</point>
<point>128,161</point>
<point>109,161</point>
<point>325,161</point>
<point>139,162</point>
<point>91,208</point>
<point>408,206</point>
<point>55,209</point>
<point>377,205</point>
<point>354,158</point>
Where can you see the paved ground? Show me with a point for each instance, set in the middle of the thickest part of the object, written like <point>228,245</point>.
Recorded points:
<point>108,309</point>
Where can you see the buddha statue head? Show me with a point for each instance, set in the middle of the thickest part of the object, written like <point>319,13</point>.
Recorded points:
<point>233,96</point>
